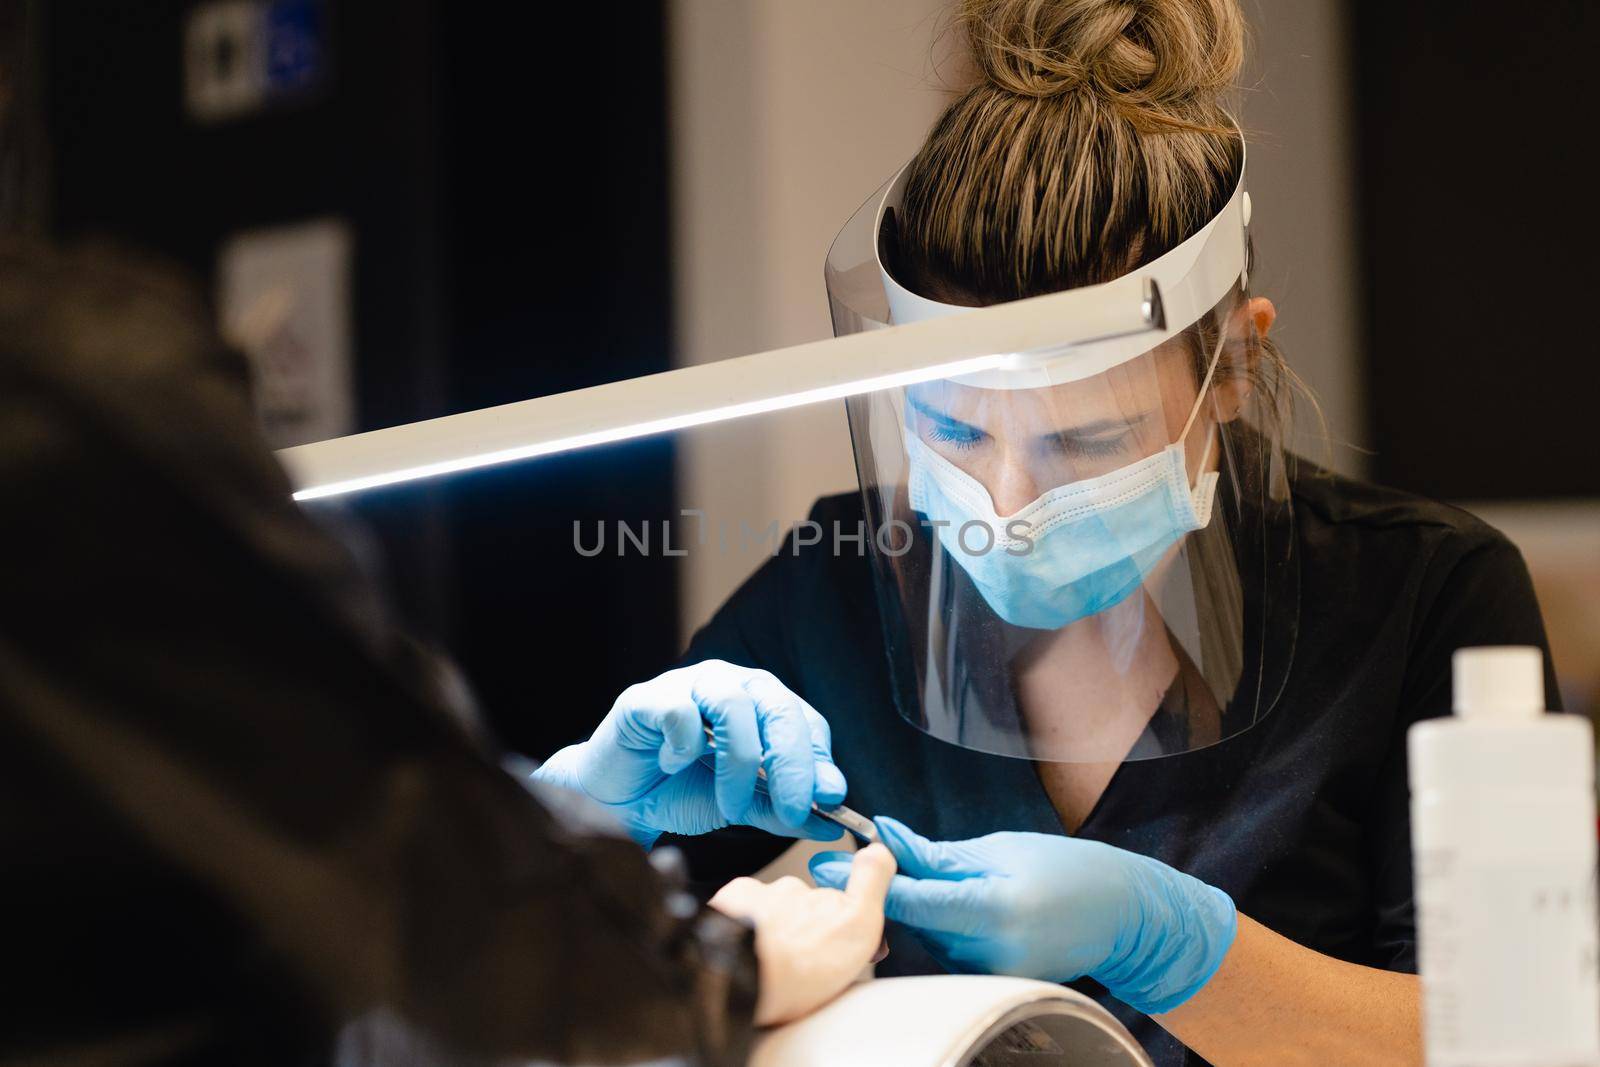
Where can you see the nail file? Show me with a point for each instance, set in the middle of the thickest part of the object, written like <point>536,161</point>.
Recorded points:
<point>858,825</point>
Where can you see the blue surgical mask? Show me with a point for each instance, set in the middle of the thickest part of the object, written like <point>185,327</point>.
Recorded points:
<point>1077,550</point>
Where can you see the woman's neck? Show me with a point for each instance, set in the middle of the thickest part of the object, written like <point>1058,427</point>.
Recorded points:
<point>1086,693</point>
<point>1090,688</point>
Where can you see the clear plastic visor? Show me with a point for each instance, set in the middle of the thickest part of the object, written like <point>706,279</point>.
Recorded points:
<point>1091,570</point>
<point>1059,577</point>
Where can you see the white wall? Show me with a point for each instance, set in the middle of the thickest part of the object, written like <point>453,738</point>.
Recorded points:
<point>1299,118</point>
<point>787,115</point>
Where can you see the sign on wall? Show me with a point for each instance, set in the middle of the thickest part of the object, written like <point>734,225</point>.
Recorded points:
<point>283,296</point>
<point>243,56</point>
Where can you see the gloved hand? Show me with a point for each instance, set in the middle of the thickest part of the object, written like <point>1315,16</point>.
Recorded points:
<point>643,760</point>
<point>1055,908</point>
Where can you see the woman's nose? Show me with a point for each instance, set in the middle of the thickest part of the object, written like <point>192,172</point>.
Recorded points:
<point>1012,488</point>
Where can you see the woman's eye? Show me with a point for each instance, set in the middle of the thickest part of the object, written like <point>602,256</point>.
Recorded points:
<point>955,436</point>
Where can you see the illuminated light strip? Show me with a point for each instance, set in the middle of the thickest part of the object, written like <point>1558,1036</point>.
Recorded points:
<point>653,426</point>
<point>1009,334</point>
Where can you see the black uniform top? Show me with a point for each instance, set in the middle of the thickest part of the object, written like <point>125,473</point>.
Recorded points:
<point>238,818</point>
<point>1302,819</point>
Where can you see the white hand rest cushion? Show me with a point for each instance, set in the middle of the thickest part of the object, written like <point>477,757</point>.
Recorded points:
<point>953,1021</point>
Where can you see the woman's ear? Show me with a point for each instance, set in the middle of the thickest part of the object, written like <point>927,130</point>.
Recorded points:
<point>1262,314</point>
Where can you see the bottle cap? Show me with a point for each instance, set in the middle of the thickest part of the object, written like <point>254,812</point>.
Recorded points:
<point>1507,680</point>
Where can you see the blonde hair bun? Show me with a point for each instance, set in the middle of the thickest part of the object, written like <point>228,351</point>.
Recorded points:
<point>1151,58</point>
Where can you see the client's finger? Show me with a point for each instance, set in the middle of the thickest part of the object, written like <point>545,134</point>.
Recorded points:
<point>870,874</point>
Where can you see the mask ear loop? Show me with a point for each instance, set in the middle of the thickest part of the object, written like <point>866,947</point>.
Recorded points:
<point>1205,388</point>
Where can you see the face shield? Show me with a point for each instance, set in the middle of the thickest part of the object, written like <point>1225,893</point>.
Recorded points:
<point>1082,551</point>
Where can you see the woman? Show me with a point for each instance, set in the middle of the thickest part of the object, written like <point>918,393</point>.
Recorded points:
<point>1160,671</point>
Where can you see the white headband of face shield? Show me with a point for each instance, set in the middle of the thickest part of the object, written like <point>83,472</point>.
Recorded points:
<point>1192,279</point>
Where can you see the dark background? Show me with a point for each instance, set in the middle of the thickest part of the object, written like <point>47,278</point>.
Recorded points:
<point>510,221</point>
<point>1475,124</point>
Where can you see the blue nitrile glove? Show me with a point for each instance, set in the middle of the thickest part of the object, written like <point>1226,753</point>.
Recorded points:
<point>1055,908</point>
<point>643,760</point>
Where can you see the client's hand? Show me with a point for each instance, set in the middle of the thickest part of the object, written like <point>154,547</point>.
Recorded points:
<point>811,943</point>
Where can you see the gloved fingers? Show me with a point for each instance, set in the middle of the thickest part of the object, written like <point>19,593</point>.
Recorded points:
<point>718,692</point>
<point>959,954</point>
<point>661,716</point>
<point>941,906</point>
<point>922,858</point>
<point>787,754</point>
<point>830,870</point>
<point>957,908</point>
<point>843,870</point>
<point>798,742</point>
<point>774,699</point>
<point>683,738</point>
<point>683,804</point>
<point>831,787</point>
<point>763,816</point>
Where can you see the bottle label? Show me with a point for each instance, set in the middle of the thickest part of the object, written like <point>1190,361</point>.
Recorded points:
<point>1509,961</point>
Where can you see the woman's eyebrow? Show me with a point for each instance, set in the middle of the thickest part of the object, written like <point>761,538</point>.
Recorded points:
<point>1101,427</point>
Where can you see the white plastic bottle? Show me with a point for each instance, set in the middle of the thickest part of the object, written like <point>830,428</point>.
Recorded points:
<point>1503,842</point>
